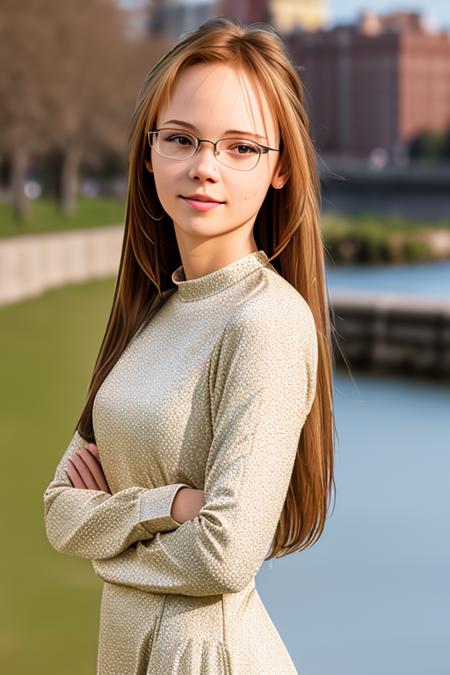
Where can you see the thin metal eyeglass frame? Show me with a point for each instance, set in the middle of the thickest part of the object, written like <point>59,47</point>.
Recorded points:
<point>214,143</point>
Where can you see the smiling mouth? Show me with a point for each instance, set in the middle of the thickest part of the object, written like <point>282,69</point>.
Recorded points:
<point>202,201</point>
<point>200,205</point>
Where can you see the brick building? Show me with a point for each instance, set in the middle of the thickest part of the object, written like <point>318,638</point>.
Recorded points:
<point>247,12</point>
<point>174,17</point>
<point>375,84</point>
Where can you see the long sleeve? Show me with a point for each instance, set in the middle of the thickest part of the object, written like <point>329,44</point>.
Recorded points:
<point>94,524</point>
<point>262,379</point>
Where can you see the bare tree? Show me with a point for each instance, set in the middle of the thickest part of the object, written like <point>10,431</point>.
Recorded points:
<point>69,78</point>
<point>21,110</point>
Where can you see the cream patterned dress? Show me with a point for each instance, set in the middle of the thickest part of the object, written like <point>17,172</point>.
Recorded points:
<point>211,393</point>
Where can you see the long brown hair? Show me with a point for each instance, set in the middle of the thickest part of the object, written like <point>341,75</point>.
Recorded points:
<point>287,227</point>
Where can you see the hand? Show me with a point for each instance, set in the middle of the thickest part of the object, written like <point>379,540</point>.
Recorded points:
<point>187,504</point>
<point>85,470</point>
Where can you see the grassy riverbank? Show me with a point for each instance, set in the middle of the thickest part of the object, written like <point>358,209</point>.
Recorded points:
<point>50,601</point>
<point>375,239</point>
<point>363,239</point>
<point>45,216</point>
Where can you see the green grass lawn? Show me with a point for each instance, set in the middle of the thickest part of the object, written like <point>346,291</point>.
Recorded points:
<point>50,601</point>
<point>45,216</point>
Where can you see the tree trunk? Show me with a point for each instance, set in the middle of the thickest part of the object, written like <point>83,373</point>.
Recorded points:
<point>20,202</point>
<point>69,181</point>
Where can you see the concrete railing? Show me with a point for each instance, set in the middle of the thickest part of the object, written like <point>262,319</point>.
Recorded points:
<point>397,332</point>
<point>393,332</point>
<point>31,264</point>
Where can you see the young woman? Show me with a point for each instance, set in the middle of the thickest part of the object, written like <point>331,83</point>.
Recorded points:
<point>205,445</point>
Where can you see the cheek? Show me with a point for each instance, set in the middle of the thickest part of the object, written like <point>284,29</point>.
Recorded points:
<point>247,192</point>
<point>163,175</point>
<point>167,186</point>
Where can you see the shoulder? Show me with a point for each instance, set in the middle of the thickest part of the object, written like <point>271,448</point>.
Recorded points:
<point>269,342</point>
<point>274,307</point>
<point>272,329</point>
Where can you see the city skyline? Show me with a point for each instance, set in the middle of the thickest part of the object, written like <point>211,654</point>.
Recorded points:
<point>436,12</point>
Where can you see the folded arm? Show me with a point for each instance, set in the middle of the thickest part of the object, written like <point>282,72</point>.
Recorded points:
<point>94,524</point>
<point>262,385</point>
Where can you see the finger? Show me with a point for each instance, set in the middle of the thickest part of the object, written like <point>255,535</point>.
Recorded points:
<point>74,475</point>
<point>68,476</point>
<point>76,479</point>
<point>84,471</point>
<point>91,462</point>
<point>93,448</point>
<point>95,469</point>
<point>94,453</point>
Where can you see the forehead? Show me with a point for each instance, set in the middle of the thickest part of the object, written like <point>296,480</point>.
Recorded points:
<point>218,97</point>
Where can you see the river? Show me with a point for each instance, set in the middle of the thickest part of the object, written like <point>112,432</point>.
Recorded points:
<point>424,279</point>
<point>372,597</point>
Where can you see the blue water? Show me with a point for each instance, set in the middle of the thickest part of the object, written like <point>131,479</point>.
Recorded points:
<point>372,597</point>
<point>427,279</point>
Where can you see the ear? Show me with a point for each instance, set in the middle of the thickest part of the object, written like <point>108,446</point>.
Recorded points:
<point>280,177</point>
<point>148,165</point>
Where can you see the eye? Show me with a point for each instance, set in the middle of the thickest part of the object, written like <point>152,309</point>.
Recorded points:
<point>178,136</point>
<point>247,148</point>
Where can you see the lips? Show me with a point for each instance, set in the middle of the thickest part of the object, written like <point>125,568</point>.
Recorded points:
<point>202,198</point>
<point>199,205</point>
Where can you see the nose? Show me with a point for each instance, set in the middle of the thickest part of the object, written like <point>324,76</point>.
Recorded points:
<point>204,163</point>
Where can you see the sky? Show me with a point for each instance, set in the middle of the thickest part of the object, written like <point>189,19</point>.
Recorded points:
<point>436,12</point>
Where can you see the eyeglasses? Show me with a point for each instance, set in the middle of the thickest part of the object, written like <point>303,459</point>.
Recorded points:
<point>236,153</point>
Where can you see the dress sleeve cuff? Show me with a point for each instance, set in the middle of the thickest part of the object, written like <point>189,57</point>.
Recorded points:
<point>155,507</point>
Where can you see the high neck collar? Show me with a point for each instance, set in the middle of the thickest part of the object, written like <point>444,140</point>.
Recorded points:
<point>220,279</point>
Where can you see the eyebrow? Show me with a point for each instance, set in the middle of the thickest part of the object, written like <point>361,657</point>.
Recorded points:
<point>229,131</point>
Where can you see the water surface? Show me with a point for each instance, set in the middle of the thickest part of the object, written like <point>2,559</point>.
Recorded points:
<point>425,279</point>
<point>372,597</point>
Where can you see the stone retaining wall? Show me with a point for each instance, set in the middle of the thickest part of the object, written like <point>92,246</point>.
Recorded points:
<point>397,333</point>
<point>31,264</point>
<point>375,331</point>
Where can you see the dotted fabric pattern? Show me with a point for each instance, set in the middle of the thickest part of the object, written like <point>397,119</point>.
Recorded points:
<point>211,393</point>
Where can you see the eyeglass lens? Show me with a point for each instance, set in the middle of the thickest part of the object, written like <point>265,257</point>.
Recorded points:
<point>236,153</point>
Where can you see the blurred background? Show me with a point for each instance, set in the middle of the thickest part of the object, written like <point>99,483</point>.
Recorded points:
<point>372,597</point>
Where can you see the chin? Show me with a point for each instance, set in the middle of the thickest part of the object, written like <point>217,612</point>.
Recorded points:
<point>200,227</point>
